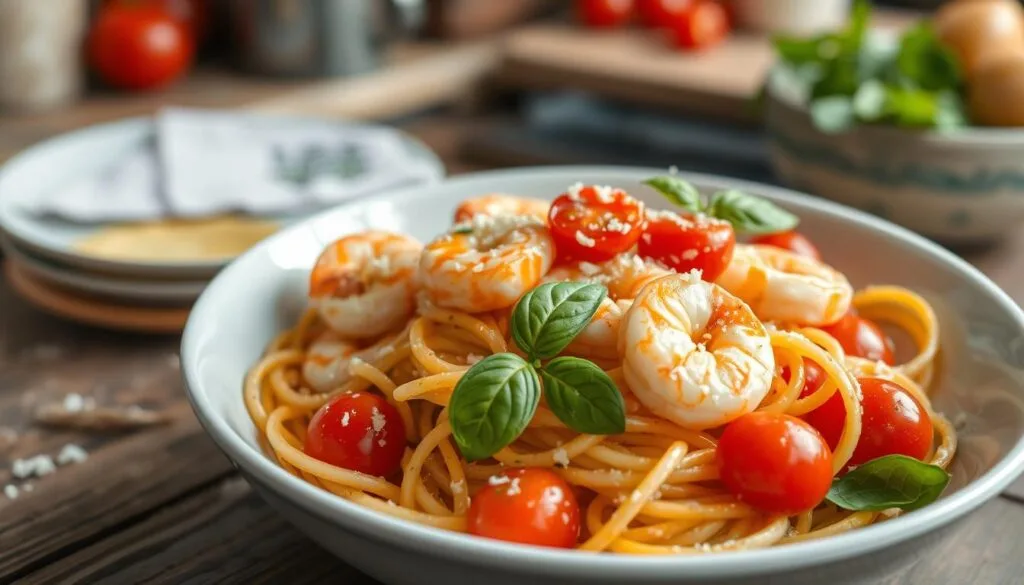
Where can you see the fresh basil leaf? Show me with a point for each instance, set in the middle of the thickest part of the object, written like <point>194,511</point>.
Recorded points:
<point>798,51</point>
<point>492,403</point>
<point>547,318</point>
<point>925,62</point>
<point>893,481</point>
<point>832,114</point>
<point>749,214</point>
<point>583,396</point>
<point>678,191</point>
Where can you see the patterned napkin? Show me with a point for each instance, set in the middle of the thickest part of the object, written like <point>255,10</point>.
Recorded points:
<point>202,163</point>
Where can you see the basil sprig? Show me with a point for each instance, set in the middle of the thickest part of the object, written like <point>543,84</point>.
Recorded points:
<point>747,214</point>
<point>893,481</point>
<point>497,397</point>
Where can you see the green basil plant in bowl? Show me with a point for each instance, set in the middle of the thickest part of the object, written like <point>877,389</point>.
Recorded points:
<point>887,123</point>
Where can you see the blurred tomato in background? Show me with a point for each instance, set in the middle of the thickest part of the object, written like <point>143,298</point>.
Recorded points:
<point>145,44</point>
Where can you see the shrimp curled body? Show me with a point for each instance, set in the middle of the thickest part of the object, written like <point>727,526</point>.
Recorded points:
<point>326,366</point>
<point>782,286</point>
<point>487,263</point>
<point>364,285</point>
<point>695,354</point>
<point>500,204</point>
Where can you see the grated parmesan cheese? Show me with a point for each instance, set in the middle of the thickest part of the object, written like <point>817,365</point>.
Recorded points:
<point>71,453</point>
<point>589,269</point>
<point>561,457</point>
<point>585,241</point>
<point>605,193</point>
<point>344,419</point>
<point>497,480</point>
<point>37,466</point>
<point>689,254</point>
<point>458,487</point>
<point>377,420</point>
<point>513,487</point>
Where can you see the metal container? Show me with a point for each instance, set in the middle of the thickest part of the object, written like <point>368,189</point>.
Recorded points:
<point>317,38</point>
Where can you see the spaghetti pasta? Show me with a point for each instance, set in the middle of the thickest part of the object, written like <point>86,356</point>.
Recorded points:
<point>653,489</point>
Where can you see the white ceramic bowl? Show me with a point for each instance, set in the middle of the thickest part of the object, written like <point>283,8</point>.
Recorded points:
<point>960,187</point>
<point>981,384</point>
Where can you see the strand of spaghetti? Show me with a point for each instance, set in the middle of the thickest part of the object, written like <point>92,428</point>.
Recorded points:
<point>425,356</point>
<point>253,386</point>
<point>369,372</point>
<point>489,335</point>
<point>428,385</point>
<point>457,476</point>
<point>804,521</point>
<point>612,457</point>
<point>702,532</point>
<point>548,458</point>
<point>429,503</point>
<point>659,531</point>
<point>411,470</point>
<point>435,467</point>
<point>770,534</point>
<point>425,420</point>
<point>947,445</point>
<point>318,468</point>
<point>288,395</point>
<point>303,330</point>
<point>915,307</point>
<point>454,523</point>
<point>783,393</point>
<point>855,520</point>
<point>643,493</point>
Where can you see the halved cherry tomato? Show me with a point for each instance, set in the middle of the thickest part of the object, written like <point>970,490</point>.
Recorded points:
<point>814,377</point>
<point>604,13</point>
<point>528,506</point>
<point>359,431</point>
<point>662,13</point>
<point>686,243</point>
<point>862,338</point>
<point>703,26</point>
<point>893,423</point>
<point>595,224</point>
<point>775,462</point>
<point>793,241</point>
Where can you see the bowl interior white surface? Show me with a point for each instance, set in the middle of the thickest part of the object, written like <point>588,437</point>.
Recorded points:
<point>979,385</point>
<point>60,161</point>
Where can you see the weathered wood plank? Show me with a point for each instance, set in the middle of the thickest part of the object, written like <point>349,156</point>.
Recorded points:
<point>223,533</point>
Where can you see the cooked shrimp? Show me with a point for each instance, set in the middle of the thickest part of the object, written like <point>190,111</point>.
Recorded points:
<point>694,354</point>
<point>624,276</point>
<point>782,286</point>
<point>487,263</point>
<point>328,358</point>
<point>499,204</point>
<point>363,285</point>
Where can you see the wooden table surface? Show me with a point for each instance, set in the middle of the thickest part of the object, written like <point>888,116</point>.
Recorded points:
<point>162,505</point>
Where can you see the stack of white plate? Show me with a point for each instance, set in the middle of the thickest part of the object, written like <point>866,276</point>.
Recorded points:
<point>47,266</point>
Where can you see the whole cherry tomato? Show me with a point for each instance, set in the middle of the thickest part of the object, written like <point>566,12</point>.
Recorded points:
<point>687,243</point>
<point>662,13</point>
<point>360,431</point>
<point>703,26</point>
<point>595,224</point>
<point>793,241</point>
<point>604,13</point>
<point>862,338</point>
<point>893,422</point>
<point>193,15</point>
<point>775,462</point>
<point>139,47</point>
<point>528,506</point>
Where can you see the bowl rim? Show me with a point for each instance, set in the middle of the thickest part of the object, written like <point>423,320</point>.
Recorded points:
<point>465,548</point>
<point>967,136</point>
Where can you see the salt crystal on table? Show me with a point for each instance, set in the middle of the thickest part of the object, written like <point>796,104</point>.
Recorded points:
<point>71,453</point>
<point>11,491</point>
<point>37,466</point>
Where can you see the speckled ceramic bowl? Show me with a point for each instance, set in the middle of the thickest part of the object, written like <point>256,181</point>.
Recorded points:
<point>965,186</point>
<point>981,384</point>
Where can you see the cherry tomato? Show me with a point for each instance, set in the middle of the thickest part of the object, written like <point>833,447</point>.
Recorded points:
<point>862,338</point>
<point>528,506</point>
<point>139,47</point>
<point>687,243</point>
<point>662,13</point>
<point>814,377</point>
<point>793,241</point>
<point>595,224</point>
<point>193,15</point>
<point>359,431</point>
<point>703,26</point>
<point>775,462</point>
<point>893,423</point>
<point>604,13</point>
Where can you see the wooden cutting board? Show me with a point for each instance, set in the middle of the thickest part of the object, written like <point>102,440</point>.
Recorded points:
<point>640,66</point>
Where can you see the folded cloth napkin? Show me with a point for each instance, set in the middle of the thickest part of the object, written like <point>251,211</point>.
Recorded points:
<point>201,163</point>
